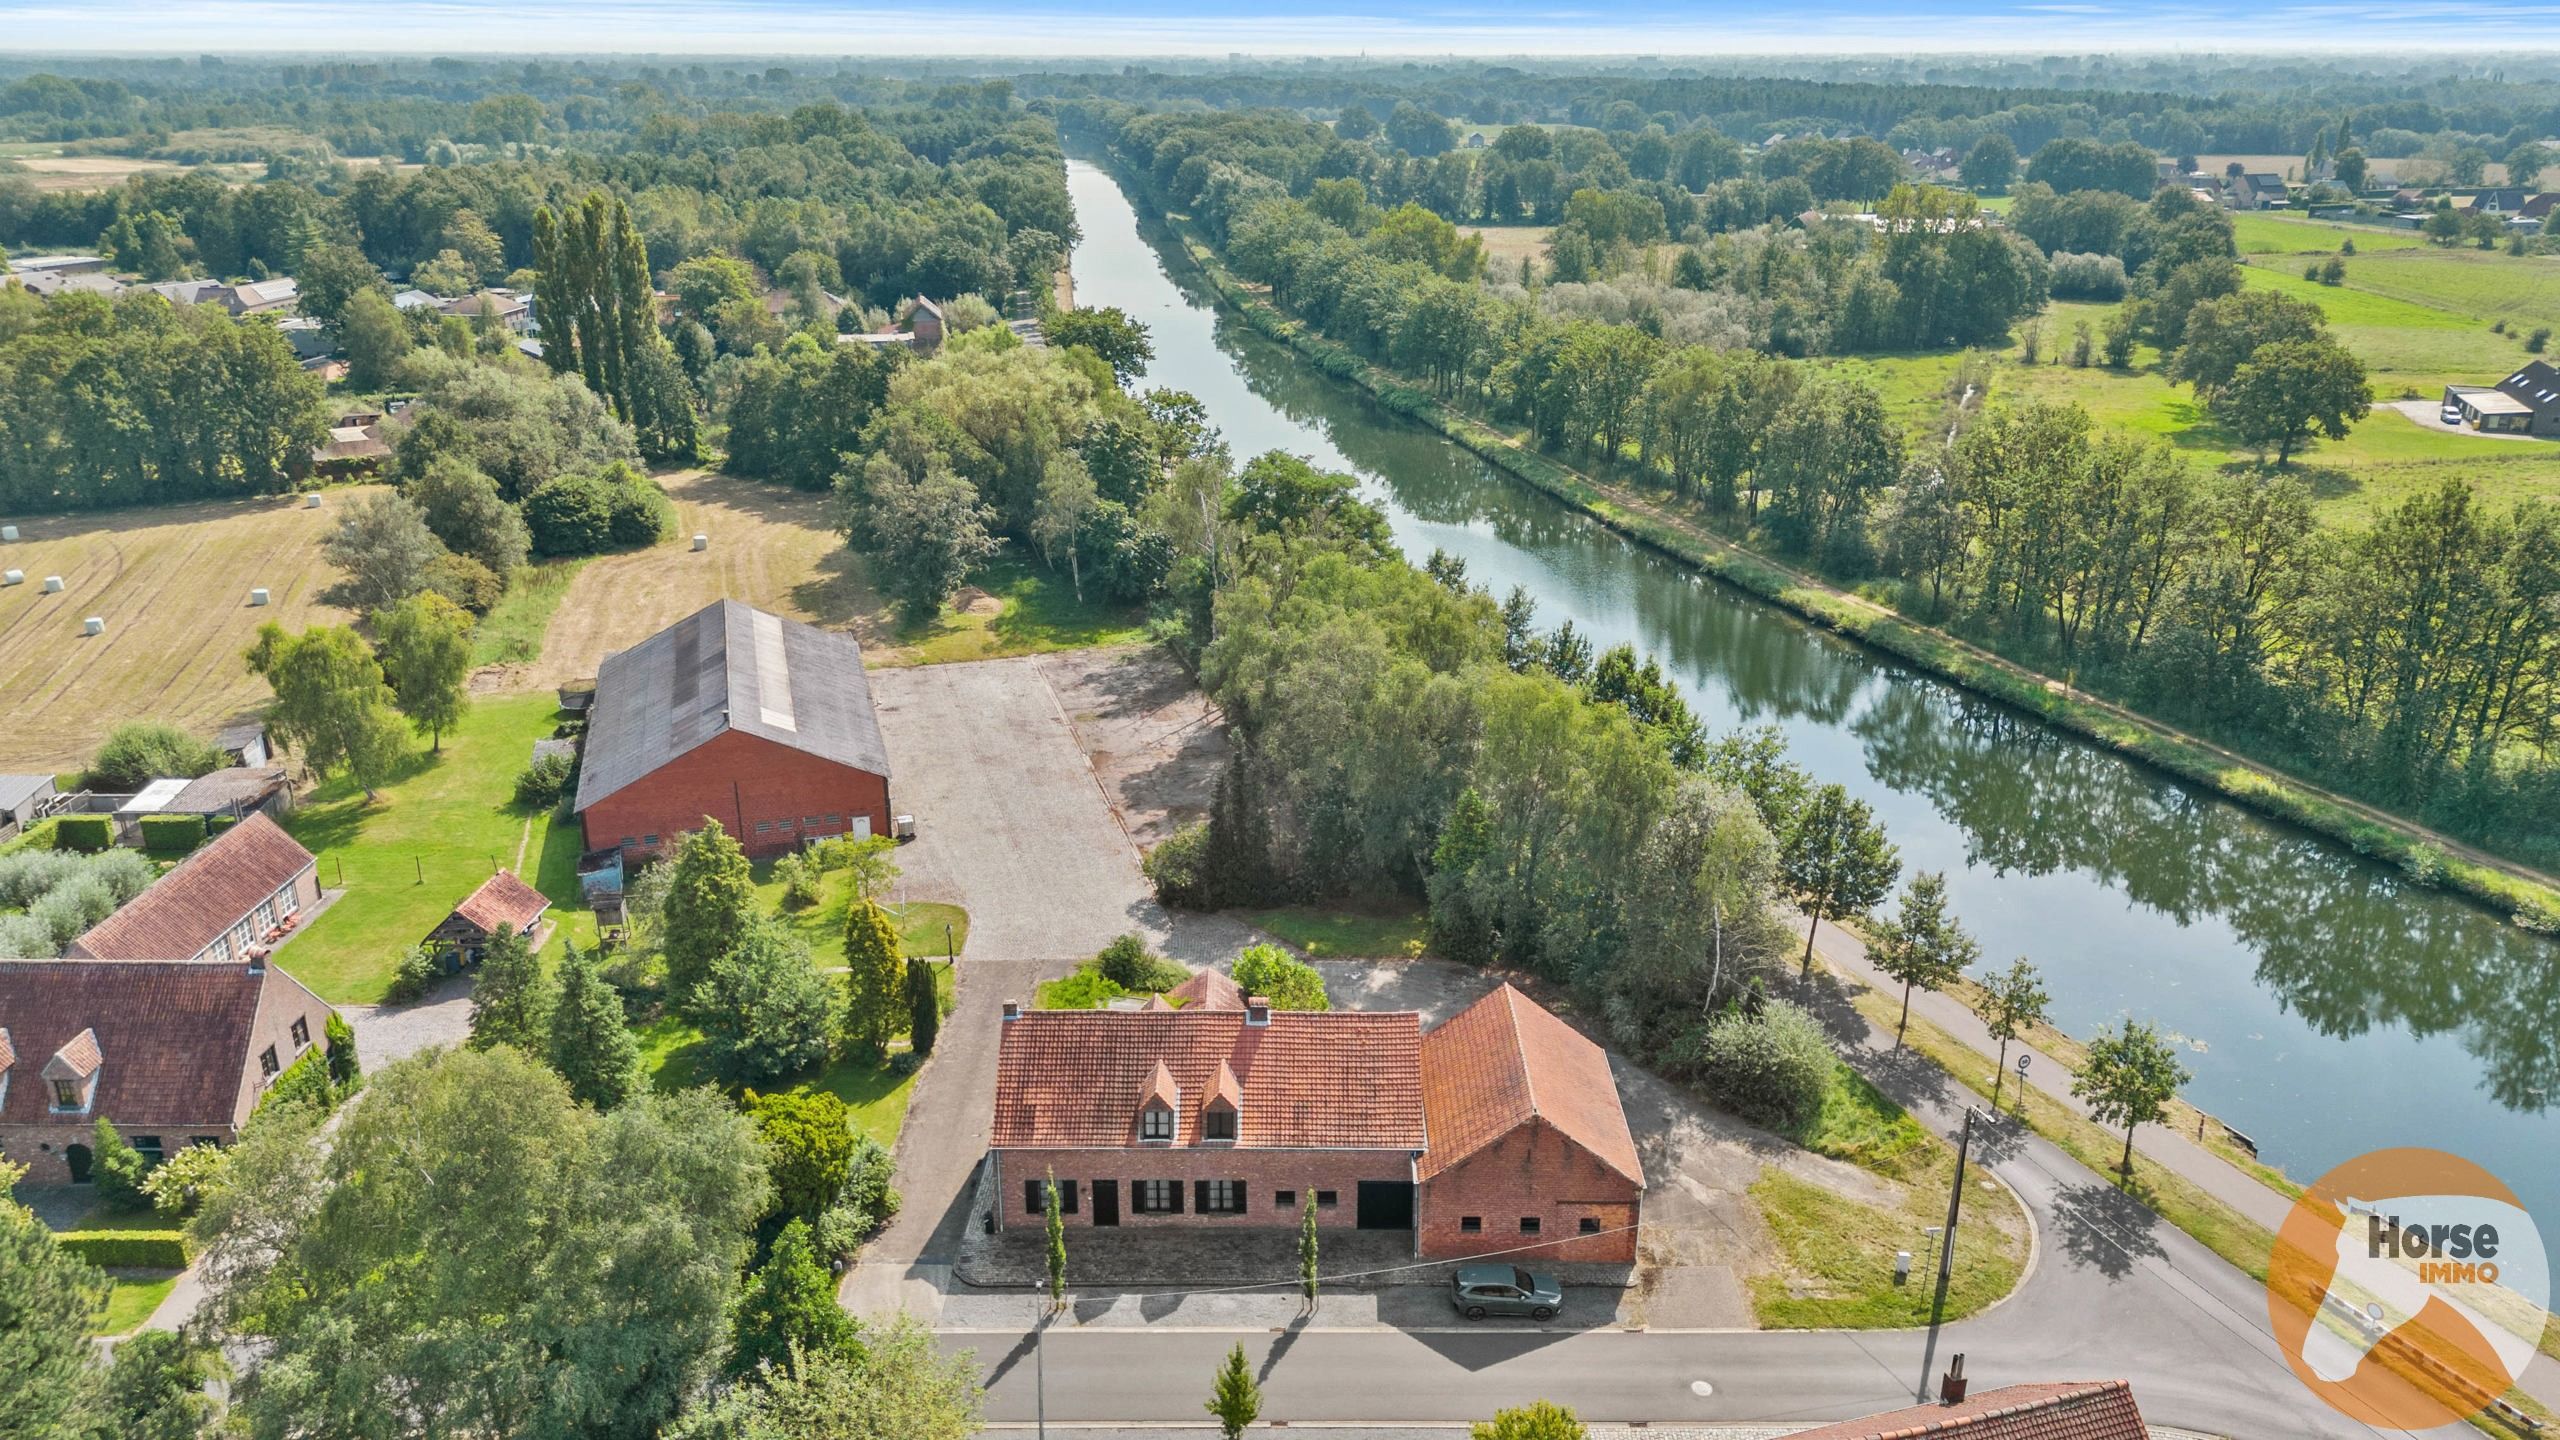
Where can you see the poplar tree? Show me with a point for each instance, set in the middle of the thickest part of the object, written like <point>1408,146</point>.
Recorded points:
<point>875,979</point>
<point>1836,860</point>
<point>1924,945</point>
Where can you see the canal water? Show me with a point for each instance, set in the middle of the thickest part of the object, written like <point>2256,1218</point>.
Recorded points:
<point>2326,1006</point>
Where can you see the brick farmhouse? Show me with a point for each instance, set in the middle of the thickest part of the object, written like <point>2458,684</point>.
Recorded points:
<point>2051,1410</point>
<point>1500,1131</point>
<point>235,898</point>
<point>175,1052</point>
<point>732,714</point>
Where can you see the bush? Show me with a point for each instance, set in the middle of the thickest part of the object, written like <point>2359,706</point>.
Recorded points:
<point>572,515</point>
<point>171,834</point>
<point>127,1249</point>
<point>642,513</point>
<point>70,908</point>
<point>26,874</point>
<point>541,784</point>
<point>863,1207</point>
<point>125,873</point>
<point>182,1181</point>
<point>24,937</point>
<point>1177,868</point>
<point>2088,277</point>
<point>416,973</point>
<point>90,833</point>
<point>466,582</point>
<point>140,751</point>
<point>1281,978</point>
<point>1771,1069</point>
<point>802,880</point>
<point>119,1171</point>
<point>1127,963</point>
<point>346,1069</point>
<point>2534,343</point>
<point>304,1082</point>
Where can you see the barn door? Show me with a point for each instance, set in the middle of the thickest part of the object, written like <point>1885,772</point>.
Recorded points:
<point>861,827</point>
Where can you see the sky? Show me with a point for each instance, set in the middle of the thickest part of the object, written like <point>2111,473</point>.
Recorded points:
<point>1052,29</point>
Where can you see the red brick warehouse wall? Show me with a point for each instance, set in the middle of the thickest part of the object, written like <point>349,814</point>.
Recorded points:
<point>744,782</point>
<point>1531,1172</point>
<point>1264,1173</point>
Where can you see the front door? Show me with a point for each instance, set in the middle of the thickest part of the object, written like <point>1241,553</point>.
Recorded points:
<point>1386,1205</point>
<point>861,827</point>
<point>1106,1202</point>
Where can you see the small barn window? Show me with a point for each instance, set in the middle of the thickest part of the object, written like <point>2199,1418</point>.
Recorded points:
<point>1589,1225</point>
<point>1470,1224</point>
<point>834,819</point>
<point>66,1094</point>
<point>649,840</point>
<point>1285,1199</point>
<point>1159,1197</point>
<point>265,915</point>
<point>219,950</point>
<point>1218,1123</point>
<point>1325,1200</point>
<point>764,827</point>
<point>630,840</point>
<point>288,901</point>
<point>810,822</point>
<point>1528,1224</point>
<point>785,822</point>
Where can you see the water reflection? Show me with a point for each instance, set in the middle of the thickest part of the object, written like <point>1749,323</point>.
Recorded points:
<point>2329,1006</point>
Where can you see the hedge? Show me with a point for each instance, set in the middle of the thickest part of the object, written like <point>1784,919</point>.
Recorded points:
<point>127,1249</point>
<point>2521,900</point>
<point>172,834</point>
<point>85,832</point>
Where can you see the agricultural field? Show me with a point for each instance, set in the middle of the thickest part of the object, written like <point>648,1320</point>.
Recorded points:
<point>2410,170</point>
<point>1505,246</point>
<point>775,548</point>
<point>73,173</point>
<point>2263,234</point>
<point>172,584</point>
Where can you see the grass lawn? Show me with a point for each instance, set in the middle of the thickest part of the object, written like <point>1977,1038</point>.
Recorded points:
<point>1345,934</point>
<point>1839,1252</point>
<point>671,1056</point>
<point>1086,988</point>
<point>2262,234</point>
<point>512,632</point>
<point>1858,1124</point>
<point>136,1294</point>
<point>406,859</point>
<point>821,926</point>
<point>1014,606</point>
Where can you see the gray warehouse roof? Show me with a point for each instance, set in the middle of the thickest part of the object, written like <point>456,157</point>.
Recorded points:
<point>728,667</point>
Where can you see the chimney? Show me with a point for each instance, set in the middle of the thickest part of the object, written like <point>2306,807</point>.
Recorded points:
<point>1951,1386</point>
<point>1012,1011</point>
<point>1257,1010</point>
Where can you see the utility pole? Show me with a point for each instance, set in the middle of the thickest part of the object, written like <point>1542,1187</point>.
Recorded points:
<point>1040,1373</point>
<point>1946,1254</point>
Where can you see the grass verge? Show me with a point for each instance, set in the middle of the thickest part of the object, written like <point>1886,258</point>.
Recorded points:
<point>136,1294</point>
<point>1346,934</point>
<point>1019,608</point>
<point>1839,1252</point>
<point>511,633</point>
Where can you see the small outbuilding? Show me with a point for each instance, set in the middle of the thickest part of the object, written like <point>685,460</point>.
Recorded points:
<point>502,903</point>
<point>21,796</point>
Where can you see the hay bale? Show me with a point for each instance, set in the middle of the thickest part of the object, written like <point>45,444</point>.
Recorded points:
<point>53,584</point>
<point>13,577</point>
<point>310,502</point>
<point>8,532</point>
<point>258,597</point>
<point>94,625</point>
<point>701,542</point>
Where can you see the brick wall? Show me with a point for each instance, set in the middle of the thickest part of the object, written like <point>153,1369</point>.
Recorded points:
<point>281,1001</point>
<point>44,1149</point>
<point>1533,1172</point>
<point>1264,1173</point>
<point>743,781</point>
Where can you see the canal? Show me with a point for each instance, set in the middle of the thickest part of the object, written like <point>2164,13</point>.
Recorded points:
<point>2326,1006</point>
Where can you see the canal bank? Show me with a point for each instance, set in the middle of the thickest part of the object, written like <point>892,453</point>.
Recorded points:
<point>2327,1005</point>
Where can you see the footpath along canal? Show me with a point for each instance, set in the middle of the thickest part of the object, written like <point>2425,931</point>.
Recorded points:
<point>2327,1005</point>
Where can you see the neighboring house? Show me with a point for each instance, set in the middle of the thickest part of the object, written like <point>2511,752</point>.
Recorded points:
<point>355,446</point>
<point>245,743</point>
<point>924,325</point>
<point>2502,201</point>
<point>263,297</point>
<point>60,265</point>
<point>188,292</point>
<point>417,300</point>
<point>308,337</point>
<point>2056,1410</point>
<point>1208,1116</point>
<point>1207,990</point>
<point>233,899</point>
<point>2525,403</point>
<point>2538,208</point>
<point>236,791</point>
<point>49,283</point>
<point>502,903</point>
<point>735,715</point>
<point>1528,1141</point>
<point>1499,1131</point>
<point>777,302</point>
<point>514,311</point>
<point>21,796</point>
<point>175,1052</point>
<point>2255,190</point>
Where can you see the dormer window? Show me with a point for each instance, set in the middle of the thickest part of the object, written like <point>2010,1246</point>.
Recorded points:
<point>66,1094</point>
<point>1218,1122</point>
<point>1156,1123</point>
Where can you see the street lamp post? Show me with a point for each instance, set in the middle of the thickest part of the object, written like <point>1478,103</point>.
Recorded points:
<point>1947,1250</point>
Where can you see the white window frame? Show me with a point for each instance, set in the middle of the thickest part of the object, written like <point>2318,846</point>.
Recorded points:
<point>1235,1123</point>
<point>1226,1197</point>
<point>88,1090</point>
<point>220,950</point>
<point>1144,1188</point>
<point>1153,1119</point>
<point>264,916</point>
<point>288,900</point>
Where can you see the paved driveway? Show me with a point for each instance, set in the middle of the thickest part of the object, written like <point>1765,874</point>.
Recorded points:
<point>2429,415</point>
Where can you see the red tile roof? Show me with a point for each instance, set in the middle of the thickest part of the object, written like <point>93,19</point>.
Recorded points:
<point>2057,1410</point>
<point>1505,1061</point>
<point>205,895</point>
<point>1342,1079</point>
<point>1207,990</point>
<point>169,1038</point>
<point>503,902</point>
<point>76,1060</point>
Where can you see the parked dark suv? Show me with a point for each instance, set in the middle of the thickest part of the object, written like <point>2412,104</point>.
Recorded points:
<point>1481,1290</point>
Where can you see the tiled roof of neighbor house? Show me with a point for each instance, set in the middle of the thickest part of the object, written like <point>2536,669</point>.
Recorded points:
<point>205,895</point>
<point>219,790</point>
<point>1207,989</point>
<point>168,1039</point>
<point>1345,1079</point>
<point>728,667</point>
<point>2058,1410</point>
<point>503,902</point>
<point>1504,1061</point>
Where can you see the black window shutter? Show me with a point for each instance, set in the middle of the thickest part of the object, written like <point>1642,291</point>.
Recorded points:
<point>1200,1196</point>
<point>1173,1197</point>
<point>1031,1201</point>
<point>1066,1197</point>
<point>1240,1193</point>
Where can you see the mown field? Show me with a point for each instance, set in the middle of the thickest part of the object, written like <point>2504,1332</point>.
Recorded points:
<point>2418,316</point>
<point>172,583</point>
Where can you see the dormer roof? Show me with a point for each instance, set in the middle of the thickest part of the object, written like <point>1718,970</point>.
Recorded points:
<point>1162,1092</point>
<point>8,1052</point>
<point>1226,1087</point>
<point>78,1059</point>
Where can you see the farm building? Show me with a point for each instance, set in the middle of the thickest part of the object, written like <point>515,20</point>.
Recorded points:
<point>502,902</point>
<point>735,715</point>
<point>1500,1130</point>
<point>21,796</point>
<point>234,898</point>
<point>2525,403</point>
<point>246,743</point>
<point>175,1052</point>
<point>234,792</point>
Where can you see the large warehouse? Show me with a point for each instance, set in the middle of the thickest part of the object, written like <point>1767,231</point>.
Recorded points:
<point>731,714</point>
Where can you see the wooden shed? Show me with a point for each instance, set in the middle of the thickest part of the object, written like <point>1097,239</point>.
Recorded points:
<point>502,902</point>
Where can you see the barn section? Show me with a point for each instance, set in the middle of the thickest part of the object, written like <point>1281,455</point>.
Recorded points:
<point>736,715</point>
